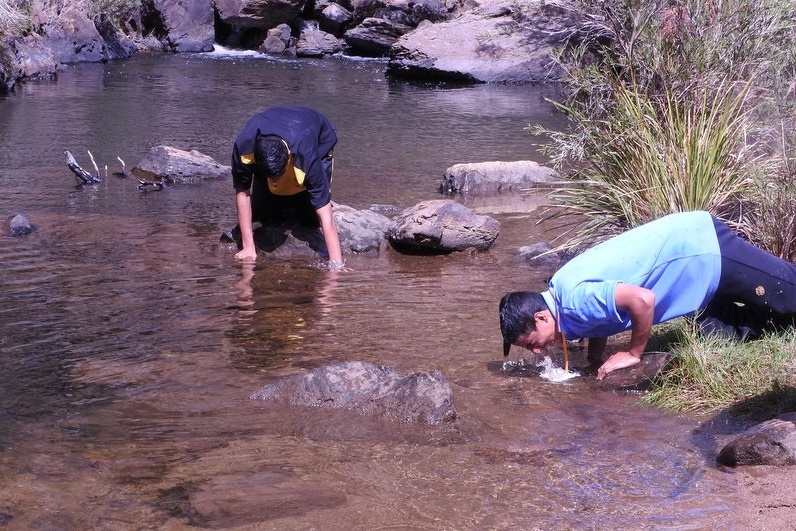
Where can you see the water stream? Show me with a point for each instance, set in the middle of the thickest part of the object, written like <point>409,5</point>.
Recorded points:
<point>131,339</point>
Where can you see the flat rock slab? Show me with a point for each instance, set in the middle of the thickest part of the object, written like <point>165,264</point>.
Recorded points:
<point>366,388</point>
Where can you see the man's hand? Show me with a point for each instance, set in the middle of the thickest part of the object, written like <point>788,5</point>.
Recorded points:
<point>620,360</point>
<point>246,255</point>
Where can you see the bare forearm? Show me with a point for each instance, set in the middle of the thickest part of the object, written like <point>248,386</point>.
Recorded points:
<point>330,236</point>
<point>244,208</point>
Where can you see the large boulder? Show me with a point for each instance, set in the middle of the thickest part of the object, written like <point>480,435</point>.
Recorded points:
<point>374,36</point>
<point>258,13</point>
<point>186,26</point>
<point>441,226</point>
<point>483,178</point>
<point>170,165</point>
<point>366,388</point>
<point>499,41</point>
<point>770,443</point>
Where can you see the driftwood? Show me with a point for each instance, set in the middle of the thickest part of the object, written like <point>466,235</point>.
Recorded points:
<point>79,172</point>
<point>87,178</point>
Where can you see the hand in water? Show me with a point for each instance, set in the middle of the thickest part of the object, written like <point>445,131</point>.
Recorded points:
<point>620,360</point>
<point>335,265</point>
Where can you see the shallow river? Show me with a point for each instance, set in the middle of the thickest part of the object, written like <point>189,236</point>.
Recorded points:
<point>131,340</point>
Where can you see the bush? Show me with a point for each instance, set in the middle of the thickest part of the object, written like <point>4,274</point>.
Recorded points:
<point>675,106</point>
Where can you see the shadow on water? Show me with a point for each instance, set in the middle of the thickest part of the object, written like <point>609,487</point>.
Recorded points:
<point>132,340</point>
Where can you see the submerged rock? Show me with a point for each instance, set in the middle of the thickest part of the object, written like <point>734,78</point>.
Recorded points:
<point>19,225</point>
<point>367,388</point>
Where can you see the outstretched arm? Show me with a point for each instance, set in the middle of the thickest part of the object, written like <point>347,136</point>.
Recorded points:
<point>330,236</point>
<point>640,303</point>
<point>244,206</point>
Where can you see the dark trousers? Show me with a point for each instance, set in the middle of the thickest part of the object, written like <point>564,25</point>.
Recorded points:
<point>756,292</point>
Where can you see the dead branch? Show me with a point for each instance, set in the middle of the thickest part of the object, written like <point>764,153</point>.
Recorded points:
<point>79,172</point>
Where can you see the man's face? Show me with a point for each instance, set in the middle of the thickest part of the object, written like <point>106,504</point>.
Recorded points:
<point>541,338</point>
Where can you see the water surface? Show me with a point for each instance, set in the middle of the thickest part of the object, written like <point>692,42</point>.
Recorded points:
<point>131,339</point>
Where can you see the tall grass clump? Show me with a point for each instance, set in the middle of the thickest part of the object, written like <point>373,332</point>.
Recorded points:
<point>12,17</point>
<point>670,107</point>
<point>712,374</point>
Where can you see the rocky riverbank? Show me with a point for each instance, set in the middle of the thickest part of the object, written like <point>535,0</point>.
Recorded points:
<point>453,40</point>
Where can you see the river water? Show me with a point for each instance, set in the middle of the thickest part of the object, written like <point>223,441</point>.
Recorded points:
<point>131,340</point>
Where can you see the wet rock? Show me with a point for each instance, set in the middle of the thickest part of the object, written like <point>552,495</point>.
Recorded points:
<point>367,388</point>
<point>441,226</point>
<point>175,166</point>
<point>769,443</point>
<point>19,225</point>
<point>483,178</point>
<point>359,231</point>
<point>639,376</point>
<point>538,255</point>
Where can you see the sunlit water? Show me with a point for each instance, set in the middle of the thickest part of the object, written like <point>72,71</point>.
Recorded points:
<point>131,339</point>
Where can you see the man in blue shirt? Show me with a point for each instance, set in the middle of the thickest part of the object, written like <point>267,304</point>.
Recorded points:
<point>682,264</point>
<point>282,172</point>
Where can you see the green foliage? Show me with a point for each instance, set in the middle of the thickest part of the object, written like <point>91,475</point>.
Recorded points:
<point>115,9</point>
<point>12,17</point>
<point>711,374</point>
<point>674,106</point>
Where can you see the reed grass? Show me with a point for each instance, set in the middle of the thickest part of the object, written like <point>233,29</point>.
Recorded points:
<point>674,106</point>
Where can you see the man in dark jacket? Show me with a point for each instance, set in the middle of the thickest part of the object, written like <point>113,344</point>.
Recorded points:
<point>282,172</point>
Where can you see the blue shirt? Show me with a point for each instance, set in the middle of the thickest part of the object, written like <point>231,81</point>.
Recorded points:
<point>677,257</point>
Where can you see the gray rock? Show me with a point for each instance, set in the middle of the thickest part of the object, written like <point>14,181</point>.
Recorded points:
<point>335,19</point>
<point>441,226</point>
<point>360,230</point>
<point>188,26</point>
<point>484,178</point>
<point>314,42</point>
<point>279,41</point>
<point>366,388</point>
<point>772,442</point>
<point>19,225</point>
<point>501,42</point>
<point>374,36</point>
<point>175,166</point>
<point>258,13</point>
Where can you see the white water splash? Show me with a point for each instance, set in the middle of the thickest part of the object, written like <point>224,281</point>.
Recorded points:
<point>555,374</point>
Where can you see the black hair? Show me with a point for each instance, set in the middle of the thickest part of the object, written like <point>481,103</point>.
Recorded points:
<point>270,155</point>
<point>516,314</point>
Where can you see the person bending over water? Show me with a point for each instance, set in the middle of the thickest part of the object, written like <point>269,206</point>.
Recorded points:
<point>282,173</point>
<point>682,264</point>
